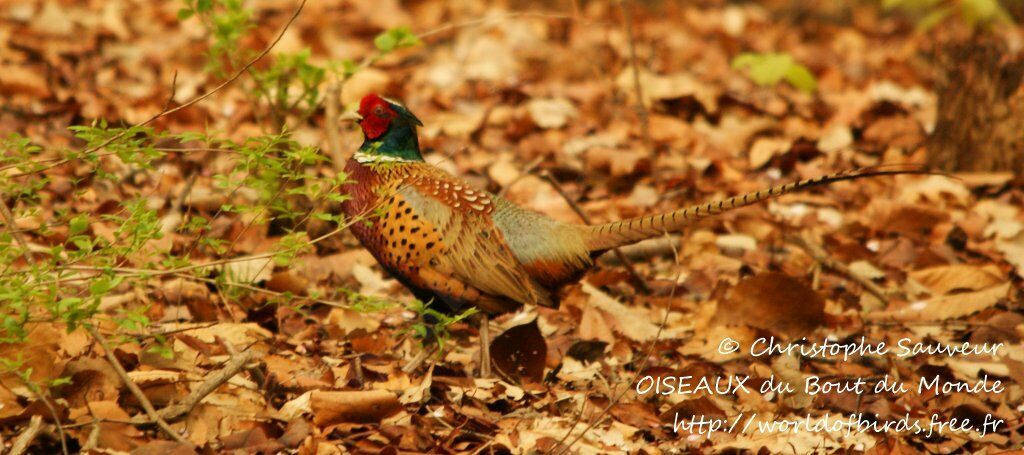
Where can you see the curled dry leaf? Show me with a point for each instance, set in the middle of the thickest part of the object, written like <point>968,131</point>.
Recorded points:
<point>627,321</point>
<point>363,82</point>
<point>319,268</point>
<point>946,307</point>
<point>787,369</point>
<point>113,436</point>
<point>348,321</point>
<point>20,80</point>
<point>238,334</point>
<point>288,281</point>
<point>908,219</point>
<point>935,189</point>
<point>692,409</point>
<point>551,112</point>
<point>773,301</point>
<point>37,355</point>
<point>766,148</point>
<point>362,406</point>
<point>371,281</point>
<point>419,393</point>
<point>460,123</point>
<point>946,279</point>
<point>835,139</point>
<point>10,408</point>
<point>665,87</point>
<point>251,269</point>
<point>521,352</point>
<point>617,162</point>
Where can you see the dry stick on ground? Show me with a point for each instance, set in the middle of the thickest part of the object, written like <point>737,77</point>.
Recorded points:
<point>641,108</point>
<point>819,254</point>
<point>212,382</point>
<point>28,436</point>
<point>56,418</point>
<point>418,360</point>
<point>189,103</point>
<point>254,370</point>
<point>133,387</point>
<point>637,278</point>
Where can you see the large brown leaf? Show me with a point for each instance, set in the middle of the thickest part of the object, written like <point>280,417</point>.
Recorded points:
<point>520,352</point>
<point>773,301</point>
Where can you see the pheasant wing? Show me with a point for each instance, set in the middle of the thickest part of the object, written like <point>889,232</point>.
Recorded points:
<point>473,249</point>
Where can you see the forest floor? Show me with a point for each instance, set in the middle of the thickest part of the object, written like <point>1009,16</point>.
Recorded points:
<point>194,267</point>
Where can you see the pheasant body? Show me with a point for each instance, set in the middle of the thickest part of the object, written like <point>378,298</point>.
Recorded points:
<point>447,241</point>
<point>442,238</point>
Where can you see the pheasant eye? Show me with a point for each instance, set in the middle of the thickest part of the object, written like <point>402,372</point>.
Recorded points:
<point>379,111</point>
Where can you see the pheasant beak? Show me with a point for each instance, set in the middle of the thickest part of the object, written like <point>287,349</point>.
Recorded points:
<point>350,116</point>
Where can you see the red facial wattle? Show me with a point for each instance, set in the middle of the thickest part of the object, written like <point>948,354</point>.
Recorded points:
<point>376,114</point>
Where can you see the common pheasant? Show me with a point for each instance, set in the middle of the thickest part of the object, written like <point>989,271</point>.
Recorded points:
<point>449,242</point>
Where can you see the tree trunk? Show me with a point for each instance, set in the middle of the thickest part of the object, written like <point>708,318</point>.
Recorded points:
<point>980,120</point>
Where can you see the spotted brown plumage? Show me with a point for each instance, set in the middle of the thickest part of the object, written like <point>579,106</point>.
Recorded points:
<point>446,240</point>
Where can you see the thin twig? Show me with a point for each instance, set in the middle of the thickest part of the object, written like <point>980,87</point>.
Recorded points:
<point>212,382</point>
<point>638,280</point>
<point>133,387</point>
<point>27,437</point>
<point>641,108</point>
<point>56,417</point>
<point>418,360</point>
<point>332,124</point>
<point>5,211</point>
<point>818,253</point>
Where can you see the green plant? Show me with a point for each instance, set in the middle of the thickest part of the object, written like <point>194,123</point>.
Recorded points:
<point>275,181</point>
<point>929,13</point>
<point>771,68</point>
<point>440,329</point>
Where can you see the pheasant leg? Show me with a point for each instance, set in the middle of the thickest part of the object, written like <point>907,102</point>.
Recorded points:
<point>485,346</point>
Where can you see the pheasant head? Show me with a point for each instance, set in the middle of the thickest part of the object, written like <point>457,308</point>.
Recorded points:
<point>389,129</point>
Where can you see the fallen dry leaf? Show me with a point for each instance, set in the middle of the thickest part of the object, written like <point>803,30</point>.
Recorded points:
<point>945,307</point>
<point>520,352</point>
<point>946,279</point>
<point>551,112</point>
<point>773,301</point>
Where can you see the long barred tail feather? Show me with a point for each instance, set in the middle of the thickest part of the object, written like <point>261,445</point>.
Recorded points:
<point>603,237</point>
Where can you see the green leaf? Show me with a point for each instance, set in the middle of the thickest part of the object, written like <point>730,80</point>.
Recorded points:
<point>60,381</point>
<point>203,6</point>
<point>105,284</point>
<point>983,12</point>
<point>185,13</point>
<point>83,243</point>
<point>800,77</point>
<point>934,18</point>
<point>396,38</point>
<point>769,69</point>
<point>78,224</point>
<point>385,42</point>
<point>349,67</point>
